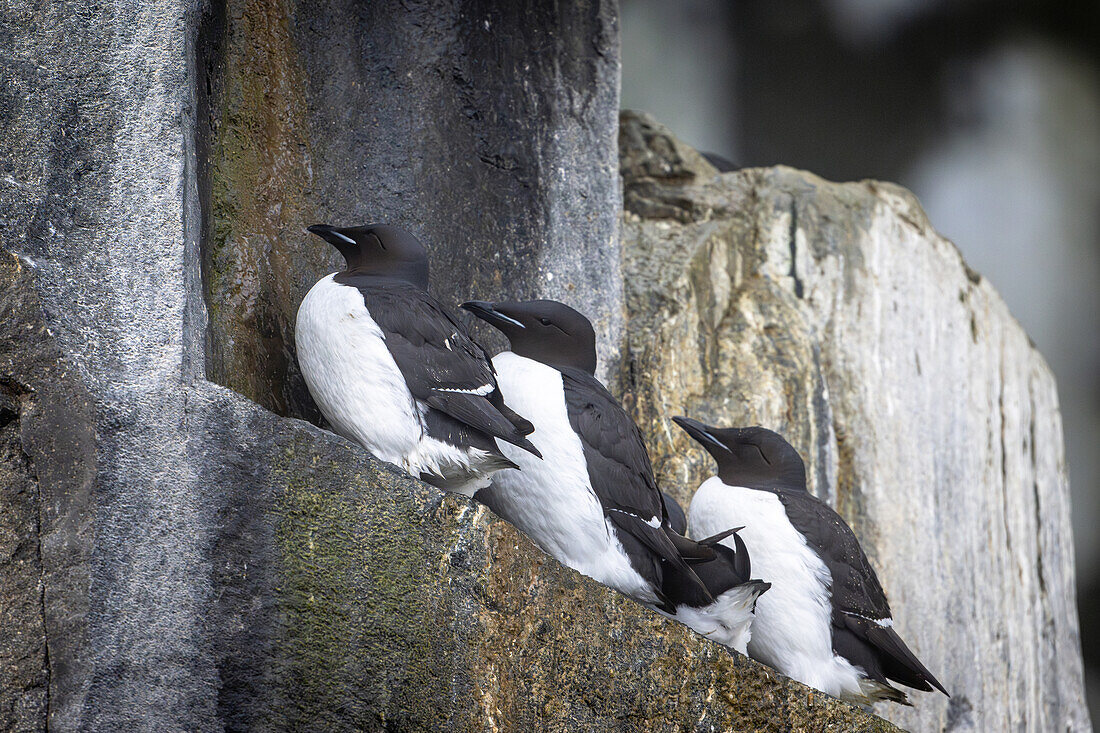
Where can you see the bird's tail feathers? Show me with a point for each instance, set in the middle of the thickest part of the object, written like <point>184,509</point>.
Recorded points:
<point>738,555</point>
<point>897,660</point>
<point>499,461</point>
<point>480,414</point>
<point>912,672</point>
<point>523,425</point>
<point>690,550</point>
<point>522,442</point>
<point>714,539</point>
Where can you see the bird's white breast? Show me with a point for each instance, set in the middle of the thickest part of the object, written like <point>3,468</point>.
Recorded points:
<point>551,500</point>
<point>351,374</point>
<point>792,631</point>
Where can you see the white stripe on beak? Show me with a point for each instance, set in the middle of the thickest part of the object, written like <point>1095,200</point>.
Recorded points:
<point>510,320</point>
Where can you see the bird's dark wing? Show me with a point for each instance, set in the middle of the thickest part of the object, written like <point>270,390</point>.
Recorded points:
<point>855,588</point>
<point>618,463</point>
<point>860,608</point>
<point>730,568</point>
<point>431,348</point>
<point>739,561</point>
<point>442,365</point>
<point>622,476</point>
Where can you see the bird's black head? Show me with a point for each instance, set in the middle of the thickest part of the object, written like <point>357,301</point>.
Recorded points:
<point>378,249</point>
<point>755,457</point>
<point>543,330</point>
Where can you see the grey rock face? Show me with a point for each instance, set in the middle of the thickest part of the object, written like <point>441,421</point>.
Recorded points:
<point>836,315</point>
<point>47,469</point>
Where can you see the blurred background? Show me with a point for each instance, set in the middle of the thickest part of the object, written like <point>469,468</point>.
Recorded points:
<point>988,111</point>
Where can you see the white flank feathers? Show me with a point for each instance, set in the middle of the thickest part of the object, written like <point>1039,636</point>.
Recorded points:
<point>727,621</point>
<point>356,383</point>
<point>551,500</point>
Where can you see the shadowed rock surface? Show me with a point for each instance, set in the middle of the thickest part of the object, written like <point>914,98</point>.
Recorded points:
<point>47,471</point>
<point>178,557</point>
<point>836,315</point>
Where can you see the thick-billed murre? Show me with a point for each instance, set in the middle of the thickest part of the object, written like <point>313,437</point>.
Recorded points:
<point>593,502</point>
<point>826,621</point>
<point>391,369</point>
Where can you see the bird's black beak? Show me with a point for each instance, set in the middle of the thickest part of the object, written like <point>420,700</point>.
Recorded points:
<point>347,246</point>
<point>701,433</point>
<point>332,235</point>
<point>488,313</point>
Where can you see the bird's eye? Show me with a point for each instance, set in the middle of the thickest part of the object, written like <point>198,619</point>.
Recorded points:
<point>544,321</point>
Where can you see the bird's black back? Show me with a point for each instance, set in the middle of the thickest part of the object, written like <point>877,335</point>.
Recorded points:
<point>856,588</point>
<point>858,600</point>
<point>441,364</point>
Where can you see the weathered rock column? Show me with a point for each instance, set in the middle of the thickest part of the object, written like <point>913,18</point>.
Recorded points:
<point>836,315</point>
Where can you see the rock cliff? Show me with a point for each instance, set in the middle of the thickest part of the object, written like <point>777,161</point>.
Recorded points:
<point>180,552</point>
<point>268,575</point>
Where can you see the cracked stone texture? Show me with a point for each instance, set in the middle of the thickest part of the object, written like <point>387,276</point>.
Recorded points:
<point>835,314</point>
<point>47,469</point>
<point>176,556</point>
